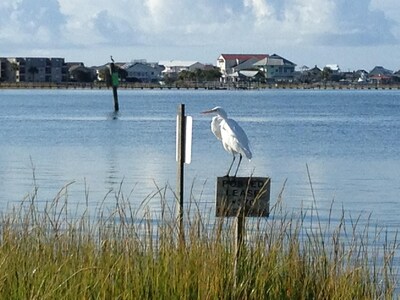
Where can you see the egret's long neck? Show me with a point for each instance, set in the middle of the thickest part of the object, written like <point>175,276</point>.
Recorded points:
<point>223,114</point>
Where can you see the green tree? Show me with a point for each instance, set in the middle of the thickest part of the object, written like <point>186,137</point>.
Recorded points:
<point>212,74</point>
<point>326,74</point>
<point>82,75</point>
<point>186,75</point>
<point>199,75</point>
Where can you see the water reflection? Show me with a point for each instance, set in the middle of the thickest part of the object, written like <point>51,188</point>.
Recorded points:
<point>349,142</point>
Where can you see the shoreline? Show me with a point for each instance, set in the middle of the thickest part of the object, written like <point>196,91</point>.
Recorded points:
<point>198,86</point>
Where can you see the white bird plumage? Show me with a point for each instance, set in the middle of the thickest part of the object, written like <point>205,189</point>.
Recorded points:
<point>232,136</point>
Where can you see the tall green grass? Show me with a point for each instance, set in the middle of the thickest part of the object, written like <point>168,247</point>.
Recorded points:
<point>46,252</point>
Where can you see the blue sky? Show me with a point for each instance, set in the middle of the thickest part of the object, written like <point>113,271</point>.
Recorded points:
<point>356,34</point>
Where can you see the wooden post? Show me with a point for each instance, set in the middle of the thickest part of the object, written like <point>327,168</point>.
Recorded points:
<point>242,197</point>
<point>240,233</point>
<point>114,84</point>
<point>181,134</point>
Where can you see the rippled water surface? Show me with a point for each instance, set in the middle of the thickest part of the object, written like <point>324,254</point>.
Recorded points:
<point>350,141</point>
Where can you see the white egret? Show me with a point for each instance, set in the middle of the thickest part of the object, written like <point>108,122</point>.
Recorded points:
<point>232,136</point>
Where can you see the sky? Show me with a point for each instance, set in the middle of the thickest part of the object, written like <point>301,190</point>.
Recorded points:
<point>355,34</point>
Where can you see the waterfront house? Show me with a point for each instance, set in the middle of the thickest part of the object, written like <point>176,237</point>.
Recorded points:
<point>273,67</point>
<point>380,75</point>
<point>314,74</point>
<point>173,67</point>
<point>276,68</point>
<point>79,73</point>
<point>231,63</point>
<point>334,68</point>
<point>142,72</point>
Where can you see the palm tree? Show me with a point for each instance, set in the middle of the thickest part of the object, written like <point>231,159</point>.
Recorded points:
<point>15,69</point>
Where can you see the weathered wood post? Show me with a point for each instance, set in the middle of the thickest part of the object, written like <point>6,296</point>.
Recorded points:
<point>242,197</point>
<point>114,84</point>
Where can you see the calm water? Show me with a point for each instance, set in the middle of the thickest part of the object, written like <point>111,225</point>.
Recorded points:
<point>349,140</point>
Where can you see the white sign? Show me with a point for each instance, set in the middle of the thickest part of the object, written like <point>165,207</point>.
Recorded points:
<point>188,139</point>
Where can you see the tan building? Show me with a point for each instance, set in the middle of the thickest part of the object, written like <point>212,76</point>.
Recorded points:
<point>272,66</point>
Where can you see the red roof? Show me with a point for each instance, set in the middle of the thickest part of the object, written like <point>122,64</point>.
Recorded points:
<point>243,57</point>
<point>379,76</point>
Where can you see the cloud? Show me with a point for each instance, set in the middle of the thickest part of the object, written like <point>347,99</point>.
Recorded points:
<point>391,10</point>
<point>260,9</point>
<point>30,23</point>
<point>359,25</point>
<point>188,27</point>
<point>114,29</point>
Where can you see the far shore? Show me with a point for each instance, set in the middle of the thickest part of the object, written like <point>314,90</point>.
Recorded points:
<point>199,86</point>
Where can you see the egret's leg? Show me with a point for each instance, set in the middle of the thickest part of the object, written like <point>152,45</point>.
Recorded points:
<point>233,160</point>
<point>240,160</point>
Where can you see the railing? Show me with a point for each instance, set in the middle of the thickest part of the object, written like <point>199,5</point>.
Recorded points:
<point>214,85</point>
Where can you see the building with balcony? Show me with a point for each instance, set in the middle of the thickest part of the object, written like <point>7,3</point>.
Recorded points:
<point>230,64</point>
<point>273,66</point>
<point>33,69</point>
<point>141,71</point>
<point>276,68</point>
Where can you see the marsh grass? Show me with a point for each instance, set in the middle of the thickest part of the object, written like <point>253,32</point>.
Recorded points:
<point>47,252</point>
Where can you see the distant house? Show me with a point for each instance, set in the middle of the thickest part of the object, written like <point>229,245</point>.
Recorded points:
<point>142,72</point>
<point>231,63</point>
<point>334,68</point>
<point>276,67</point>
<point>360,72</point>
<point>309,75</point>
<point>79,73</point>
<point>362,76</point>
<point>173,67</point>
<point>380,75</point>
<point>270,66</point>
<point>380,70</point>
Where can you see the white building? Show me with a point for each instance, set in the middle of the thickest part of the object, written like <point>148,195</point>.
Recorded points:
<point>231,63</point>
<point>142,72</point>
<point>334,68</point>
<point>174,67</point>
<point>272,66</point>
